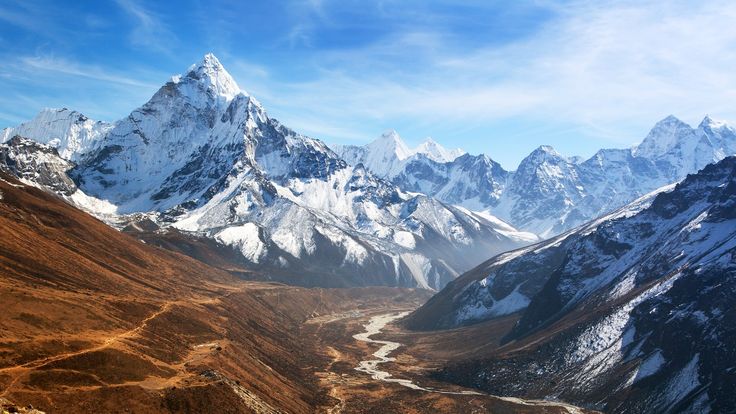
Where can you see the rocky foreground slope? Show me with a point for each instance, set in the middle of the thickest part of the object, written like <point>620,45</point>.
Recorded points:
<point>93,320</point>
<point>633,312</point>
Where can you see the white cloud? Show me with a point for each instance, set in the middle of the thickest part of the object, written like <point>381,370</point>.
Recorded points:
<point>66,67</point>
<point>596,65</point>
<point>149,30</point>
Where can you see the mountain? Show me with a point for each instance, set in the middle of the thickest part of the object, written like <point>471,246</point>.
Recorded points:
<point>550,193</point>
<point>69,132</point>
<point>387,155</point>
<point>633,312</point>
<point>203,157</point>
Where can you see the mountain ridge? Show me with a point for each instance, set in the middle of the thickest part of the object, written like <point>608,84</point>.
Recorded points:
<point>202,156</point>
<point>631,312</point>
<point>549,193</point>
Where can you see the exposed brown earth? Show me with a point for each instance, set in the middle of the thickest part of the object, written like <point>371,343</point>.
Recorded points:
<point>94,320</point>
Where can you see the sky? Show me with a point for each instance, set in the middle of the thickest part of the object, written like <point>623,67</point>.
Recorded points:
<point>493,77</point>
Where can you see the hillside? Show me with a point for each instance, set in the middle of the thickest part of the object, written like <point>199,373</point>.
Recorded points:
<point>632,312</point>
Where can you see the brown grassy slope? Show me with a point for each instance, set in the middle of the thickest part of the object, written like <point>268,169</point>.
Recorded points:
<point>91,318</point>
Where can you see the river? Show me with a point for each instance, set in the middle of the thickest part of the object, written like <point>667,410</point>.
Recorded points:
<point>370,366</point>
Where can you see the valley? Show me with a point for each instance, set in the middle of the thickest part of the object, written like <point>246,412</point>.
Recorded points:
<point>199,256</point>
<point>102,322</point>
<point>402,383</point>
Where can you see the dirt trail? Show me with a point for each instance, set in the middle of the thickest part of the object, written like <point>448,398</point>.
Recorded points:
<point>106,343</point>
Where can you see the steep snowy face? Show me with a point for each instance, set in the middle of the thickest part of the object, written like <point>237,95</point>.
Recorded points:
<point>70,132</point>
<point>173,148</point>
<point>667,135</point>
<point>631,313</point>
<point>544,193</point>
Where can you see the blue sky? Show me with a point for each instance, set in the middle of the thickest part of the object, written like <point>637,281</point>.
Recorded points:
<point>489,76</point>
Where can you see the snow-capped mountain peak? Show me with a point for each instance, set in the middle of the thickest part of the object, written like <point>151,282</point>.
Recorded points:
<point>710,123</point>
<point>69,132</point>
<point>388,155</point>
<point>434,151</point>
<point>665,136</point>
<point>389,144</point>
<point>202,156</point>
<point>544,154</point>
<point>210,75</point>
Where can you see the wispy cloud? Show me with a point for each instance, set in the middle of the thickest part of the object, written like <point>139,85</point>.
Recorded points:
<point>149,30</point>
<point>66,67</point>
<point>596,65</point>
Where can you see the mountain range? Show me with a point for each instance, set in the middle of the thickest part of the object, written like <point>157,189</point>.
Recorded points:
<point>610,282</point>
<point>203,157</point>
<point>632,312</point>
<point>549,193</point>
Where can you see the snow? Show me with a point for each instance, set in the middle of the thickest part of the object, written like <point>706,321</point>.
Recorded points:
<point>436,152</point>
<point>650,365</point>
<point>684,382</point>
<point>70,132</point>
<point>405,238</point>
<point>387,155</point>
<point>478,308</point>
<point>600,346</point>
<point>100,208</point>
<point>246,238</point>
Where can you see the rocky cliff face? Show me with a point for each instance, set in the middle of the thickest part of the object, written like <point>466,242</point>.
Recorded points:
<point>633,312</point>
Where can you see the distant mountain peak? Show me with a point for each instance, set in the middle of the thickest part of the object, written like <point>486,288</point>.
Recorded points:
<point>437,152</point>
<point>664,136</point>
<point>70,132</point>
<point>390,143</point>
<point>711,123</point>
<point>542,154</point>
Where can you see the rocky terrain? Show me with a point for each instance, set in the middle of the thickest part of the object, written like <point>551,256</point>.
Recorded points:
<point>94,320</point>
<point>632,312</point>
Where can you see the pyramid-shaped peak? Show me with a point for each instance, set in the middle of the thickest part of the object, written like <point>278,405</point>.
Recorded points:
<point>390,143</point>
<point>671,121</point>
<point>546,149</point>
<point>390,135</point>
<point>711,123</point>
<point>211,61</point>
<point>437,152</point>
<point>664,136</point>
<point>210,72</point>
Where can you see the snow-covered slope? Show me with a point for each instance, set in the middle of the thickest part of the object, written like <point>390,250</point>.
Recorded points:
<point>633,312</point>
<point>70,132</point>
<point>550,193</point>
<point>203,156</point>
